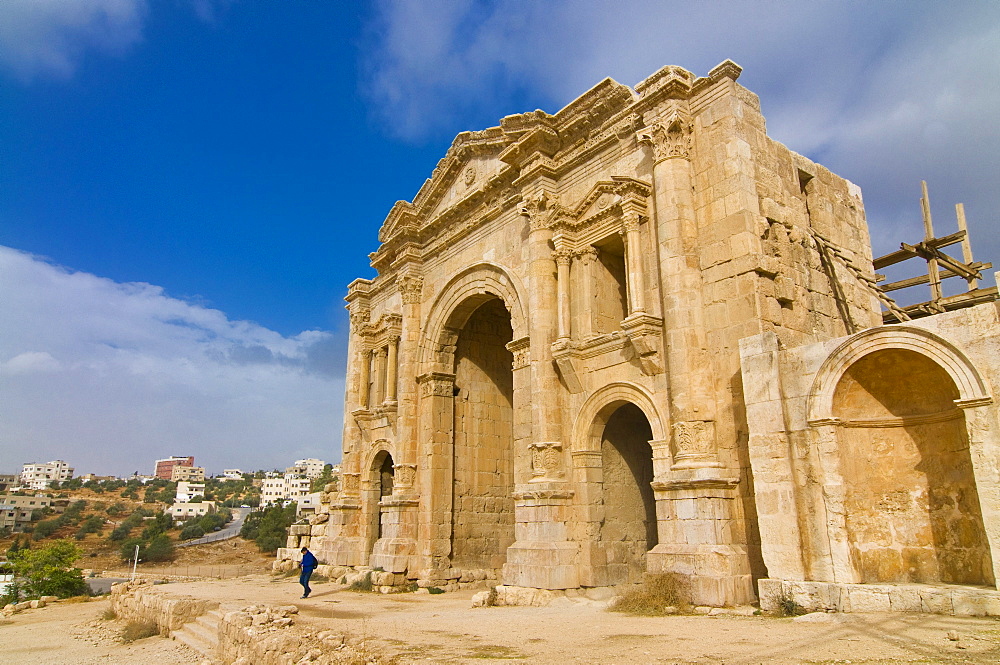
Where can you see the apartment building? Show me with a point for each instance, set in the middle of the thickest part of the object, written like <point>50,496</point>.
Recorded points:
<point>181,473</point>
<point>39,476</point>
<point>292,486</point>
<point>15,511</point>
<point>164,467</point>
<point>310,468</point>
<point>187,490</point>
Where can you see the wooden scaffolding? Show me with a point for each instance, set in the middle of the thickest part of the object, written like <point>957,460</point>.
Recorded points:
<point>940,266</point>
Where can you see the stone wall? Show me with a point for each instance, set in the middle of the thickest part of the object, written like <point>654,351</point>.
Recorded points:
<point>875,455</point>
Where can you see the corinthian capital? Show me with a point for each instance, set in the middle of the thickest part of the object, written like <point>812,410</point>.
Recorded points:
<point>411,287</point>
<point>670,138</point>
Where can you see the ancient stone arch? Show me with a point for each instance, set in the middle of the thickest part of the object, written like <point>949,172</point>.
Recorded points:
<point>581,273</point>
<point>458,299</point>
<point>972,389</point>
<point>895,528</point>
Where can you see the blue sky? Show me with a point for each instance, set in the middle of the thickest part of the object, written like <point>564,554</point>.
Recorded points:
<point>187,186</point>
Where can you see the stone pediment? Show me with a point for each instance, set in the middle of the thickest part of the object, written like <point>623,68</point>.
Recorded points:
<point>608,198</point>
<point>489,159</point>
<point>469,163</point>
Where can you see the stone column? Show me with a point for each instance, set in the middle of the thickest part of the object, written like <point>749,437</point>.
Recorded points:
<point>697,502</point>
<point>391,369</point>
<point>542,322</point>
<point>633,256</point>
<point>396,550</point>
<point>437,421</point>
<point>542,555</point>
<point>562,258</point>
<point>689,368</point>
<point>364,375</point>
<point>380,356</point>
<point>585,261</point>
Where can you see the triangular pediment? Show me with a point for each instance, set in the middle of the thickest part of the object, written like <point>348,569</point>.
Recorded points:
<point>607,195</point>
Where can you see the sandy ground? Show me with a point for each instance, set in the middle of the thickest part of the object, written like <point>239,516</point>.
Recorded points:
<point>446,629</point>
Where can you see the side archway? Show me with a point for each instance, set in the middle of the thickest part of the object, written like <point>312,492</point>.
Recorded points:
<point>971,387</point>
<point>888,416</point>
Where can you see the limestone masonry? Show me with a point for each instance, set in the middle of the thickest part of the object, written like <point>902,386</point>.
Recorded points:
<point>641,336</point>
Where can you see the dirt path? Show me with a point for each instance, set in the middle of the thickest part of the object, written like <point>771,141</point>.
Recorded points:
<point>446,629</point>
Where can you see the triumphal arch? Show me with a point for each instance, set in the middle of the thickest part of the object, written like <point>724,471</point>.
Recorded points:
<point>547,388</point>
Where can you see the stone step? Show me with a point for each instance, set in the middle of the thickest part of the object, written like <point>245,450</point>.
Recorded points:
<point>202,634</point>
<point>195,642</point>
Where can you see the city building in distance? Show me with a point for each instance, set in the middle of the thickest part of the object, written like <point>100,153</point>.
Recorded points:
<point>164,467</point>
<point>38,476</point>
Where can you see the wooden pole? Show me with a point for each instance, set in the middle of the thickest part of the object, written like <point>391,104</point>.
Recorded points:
<point>932,264</point>
<point>966,242</point>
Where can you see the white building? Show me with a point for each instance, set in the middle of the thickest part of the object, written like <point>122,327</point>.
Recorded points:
<point>188,490</point>
<point>312,467</point>
<point>181,511</point>
<point>41,476</point>
<point>235,474</point>
<point>290,487</point>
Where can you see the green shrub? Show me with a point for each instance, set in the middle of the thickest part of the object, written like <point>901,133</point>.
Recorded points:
<point>160,548</point>
<point>45,528</point>
<point>192,531</point>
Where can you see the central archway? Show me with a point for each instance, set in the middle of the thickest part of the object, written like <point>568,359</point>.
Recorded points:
<point>483,479</point>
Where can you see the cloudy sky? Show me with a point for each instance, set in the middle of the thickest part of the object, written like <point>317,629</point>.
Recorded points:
<point>187,187</point>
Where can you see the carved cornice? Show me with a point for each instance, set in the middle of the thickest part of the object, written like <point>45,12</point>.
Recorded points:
<point>436,384</point>
<point>520,349</point>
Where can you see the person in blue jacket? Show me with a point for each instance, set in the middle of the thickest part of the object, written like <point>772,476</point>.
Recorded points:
<point>308,565</point>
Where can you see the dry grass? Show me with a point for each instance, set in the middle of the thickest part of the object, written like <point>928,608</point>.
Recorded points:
<point>109,615</point>
<point>138,630</point>
<point>658,595</point>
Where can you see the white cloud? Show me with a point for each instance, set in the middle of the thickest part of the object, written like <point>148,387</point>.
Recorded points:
<point>50,36</point>
<point>113,376</point>
<point>885,94</point>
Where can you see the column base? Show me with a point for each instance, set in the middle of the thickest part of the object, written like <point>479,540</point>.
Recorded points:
<point>719,575</point>
<point>542,565</point>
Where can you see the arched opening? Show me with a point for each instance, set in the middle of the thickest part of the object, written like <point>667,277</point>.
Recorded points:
<point>386,472</point>
<point>628,529</point>
<point>912,507</point>
<point>482,502</point>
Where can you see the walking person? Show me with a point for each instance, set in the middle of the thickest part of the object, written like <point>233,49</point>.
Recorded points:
<point>308,565</point>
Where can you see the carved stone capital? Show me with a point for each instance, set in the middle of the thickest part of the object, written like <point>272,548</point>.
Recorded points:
<point>562,257</point>
<point>587,255</point>
<point>360,316</point>
<point>669,139</point>
<point>534,207</point>
<point>436,384</point>
<point>411,287</point>
<point>521,349</point>
<point>630,223</point>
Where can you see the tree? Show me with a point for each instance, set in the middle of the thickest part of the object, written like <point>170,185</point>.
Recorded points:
<point>190,531</point>
<point>269,527</point>
<point>321,481</point>
<point>49,571</point>
<point>160,548</point>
